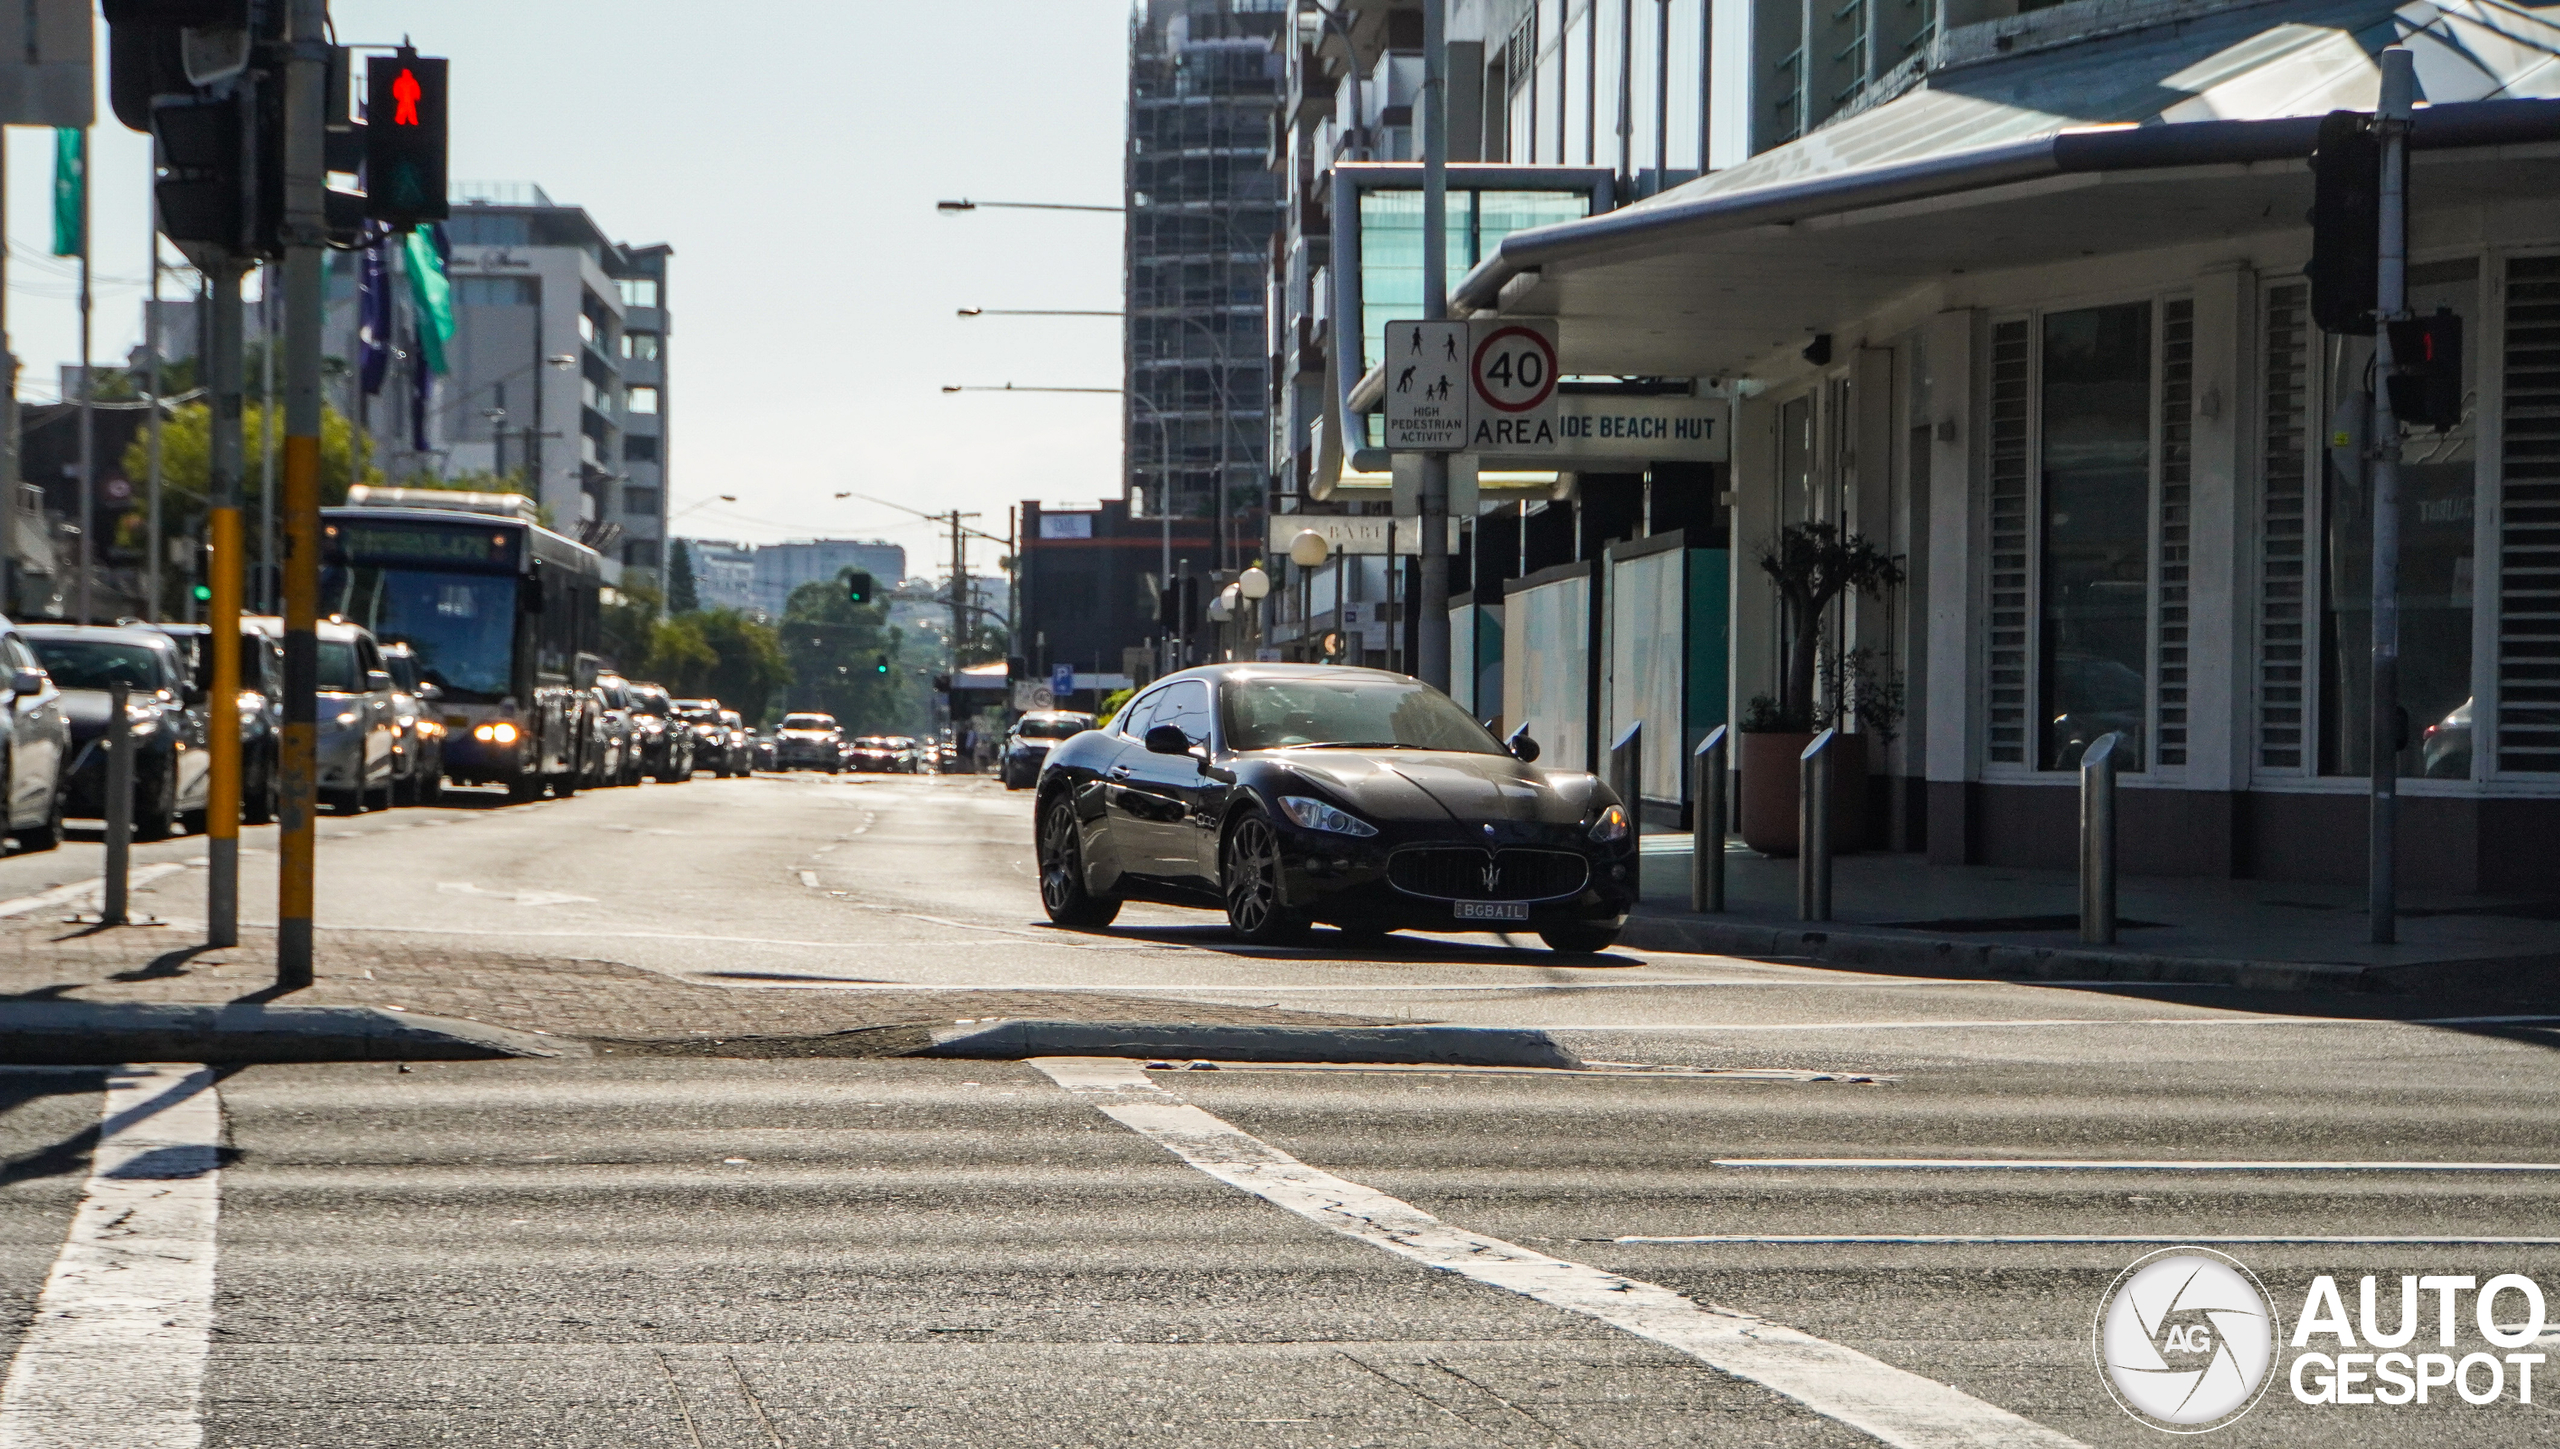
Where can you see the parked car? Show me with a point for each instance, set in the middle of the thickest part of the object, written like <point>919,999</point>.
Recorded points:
<point>810,741</point>
<point>1027,744</point>
<point>613,746</point>
<point>1292,794</point>
<point>666,742</point>
<point>418,735</point>
<point>742,744</point>
<point>261,705</point>
<point>37,747</point>
<point>876,755</point>
<point>163,707</point>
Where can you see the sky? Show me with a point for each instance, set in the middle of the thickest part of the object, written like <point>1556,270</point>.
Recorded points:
<point>791,152</point>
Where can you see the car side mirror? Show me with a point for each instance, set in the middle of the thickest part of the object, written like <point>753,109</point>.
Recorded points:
<point>24,682</point>
<point>1522,747</point>
<point>377,680</point>
<point>1167,739</point>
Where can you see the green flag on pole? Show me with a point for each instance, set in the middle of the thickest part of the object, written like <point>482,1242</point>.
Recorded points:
<point>429,288</point>
<point>70,180</point>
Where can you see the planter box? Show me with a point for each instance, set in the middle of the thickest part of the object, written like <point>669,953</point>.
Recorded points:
<point>1772,781</point>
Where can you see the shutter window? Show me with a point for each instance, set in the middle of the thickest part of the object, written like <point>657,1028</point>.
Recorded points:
<point>2177,457</point>
<point>2285,401</point>
<point>2529,521</point>
<point>2011,369</point>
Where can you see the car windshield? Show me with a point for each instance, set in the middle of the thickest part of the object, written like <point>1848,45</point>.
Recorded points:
<point>99,664</point>
<point>1272,714</point>
<point>338,667</point>
<point>403,669</point>
<point>807,722</point>
<point>654,705</point>
<point>461,625</point>
<point>1053,729</point>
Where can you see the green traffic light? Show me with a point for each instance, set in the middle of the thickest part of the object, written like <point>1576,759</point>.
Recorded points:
<point>204,593</point>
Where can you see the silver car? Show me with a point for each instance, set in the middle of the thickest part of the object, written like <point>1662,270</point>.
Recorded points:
<point>359,716</point>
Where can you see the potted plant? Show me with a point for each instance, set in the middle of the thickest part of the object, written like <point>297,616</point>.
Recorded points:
<point>1809,565</point>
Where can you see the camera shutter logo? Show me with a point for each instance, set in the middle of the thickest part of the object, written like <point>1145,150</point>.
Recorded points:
<point>2186,1340</point>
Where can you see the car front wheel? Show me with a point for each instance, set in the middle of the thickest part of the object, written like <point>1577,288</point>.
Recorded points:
<point>1257,907</point>
<point>1062,888</point>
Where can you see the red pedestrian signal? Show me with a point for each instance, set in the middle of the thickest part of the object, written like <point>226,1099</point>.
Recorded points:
<point>404,139</point>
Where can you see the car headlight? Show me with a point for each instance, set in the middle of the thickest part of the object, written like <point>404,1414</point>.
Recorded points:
<point>500,733</point>
<point>1317,815</point>
<point>1611,827</point>
<point>346,717</point>
<point>252,701</point>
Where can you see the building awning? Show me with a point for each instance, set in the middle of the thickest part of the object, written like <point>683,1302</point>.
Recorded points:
<point>2198,132</point>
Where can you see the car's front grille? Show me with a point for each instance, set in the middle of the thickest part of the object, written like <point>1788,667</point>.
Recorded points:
<point>1465,873</point>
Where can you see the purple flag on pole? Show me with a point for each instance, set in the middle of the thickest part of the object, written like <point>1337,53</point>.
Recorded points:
<point>373,314</point>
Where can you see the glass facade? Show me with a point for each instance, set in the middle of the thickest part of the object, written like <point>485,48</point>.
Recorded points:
<point>1391,248</point>
<point>2093,656</point>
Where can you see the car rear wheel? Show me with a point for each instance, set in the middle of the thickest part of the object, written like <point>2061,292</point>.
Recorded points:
<point>1062,888</point>
<point>1257,907</point>
<point>1578,940</point>
<point>46,836</point>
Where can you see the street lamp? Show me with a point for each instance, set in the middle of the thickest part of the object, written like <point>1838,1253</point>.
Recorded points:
<point>964,205</point>
<point>1034,312</point>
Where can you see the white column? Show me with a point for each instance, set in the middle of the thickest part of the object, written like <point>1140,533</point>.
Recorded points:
<point>2219,609</point>
<point>1954,628</point>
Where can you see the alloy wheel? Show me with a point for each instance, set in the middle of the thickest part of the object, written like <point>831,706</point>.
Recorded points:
<point>1253,877</point>
<point>1061,857</point>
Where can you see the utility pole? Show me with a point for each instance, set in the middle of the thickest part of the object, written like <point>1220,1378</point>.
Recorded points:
<point>1432,630</point>
<point>305,230</point>
<point>2391,304</point>
<point>88,413</point>
<point>229,566</point>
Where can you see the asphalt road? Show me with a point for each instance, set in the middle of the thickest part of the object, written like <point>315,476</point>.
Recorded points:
<point>814,1252</point>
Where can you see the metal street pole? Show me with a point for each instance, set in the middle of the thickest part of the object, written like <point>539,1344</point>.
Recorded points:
<point>88,414</point>
<point>228,565</point>
<point>1432,630</point>
<point>305,230</point>
<point>157,608</point>
<point>2391,295</point>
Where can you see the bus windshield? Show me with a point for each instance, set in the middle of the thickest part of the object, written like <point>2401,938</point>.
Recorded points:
<point>462,625</point>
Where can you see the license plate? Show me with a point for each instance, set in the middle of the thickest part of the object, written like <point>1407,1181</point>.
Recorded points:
<point>1493,910</point>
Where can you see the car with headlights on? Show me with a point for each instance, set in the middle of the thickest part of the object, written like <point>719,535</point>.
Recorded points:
<point>1027,744</point>
<point>874,755</point>
<point>261,705</point>
<point>359,720</point>
<point>666,741</point>
<point>809,740</point>
<point>710,736</point>
<point>768,750</point>
<point>742,744</point>
<point>164,710</point>
<point>613,744</point>
<point>418,734</point>
<point>1289,795</point>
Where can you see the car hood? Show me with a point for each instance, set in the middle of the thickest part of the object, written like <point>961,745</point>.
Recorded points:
<point>85,710</point>
<point>1415,785</point>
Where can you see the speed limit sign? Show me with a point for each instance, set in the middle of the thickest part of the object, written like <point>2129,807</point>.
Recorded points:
<point>1512,372</point>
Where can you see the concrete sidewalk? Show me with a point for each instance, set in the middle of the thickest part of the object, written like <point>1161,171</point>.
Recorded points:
<point>1898,912</point>
<point>605,1005</point>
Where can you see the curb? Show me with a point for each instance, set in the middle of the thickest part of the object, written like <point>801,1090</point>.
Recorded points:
<point>57,1033</point>
<point>1450,1046</point>
<point>2015,963</point>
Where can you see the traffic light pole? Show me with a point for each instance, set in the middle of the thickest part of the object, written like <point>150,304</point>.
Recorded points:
<point>305,229</point>
<point>222,620</point>
<point>2391,304</point>
<point>1431,631</point>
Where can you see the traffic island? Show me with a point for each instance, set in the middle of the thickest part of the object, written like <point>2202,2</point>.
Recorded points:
<point>50,1033</point>
<point>1439,1046</point>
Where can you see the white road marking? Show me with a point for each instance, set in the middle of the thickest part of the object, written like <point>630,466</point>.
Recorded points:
<point>1894,1405</point>
<point>2031,1239</point>
<point>79,890</point>
<point>521,898</point>
<point>115,1357</point>
<point>2103,1164</point>
<point>809,878</point>
<point>2058,1021</point>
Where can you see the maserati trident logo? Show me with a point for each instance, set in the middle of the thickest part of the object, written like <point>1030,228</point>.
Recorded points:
<point>1492,878</point>
<point>2186,1339</point>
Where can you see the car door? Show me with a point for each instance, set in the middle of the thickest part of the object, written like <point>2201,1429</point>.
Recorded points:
<point>1113,835</point>
<point>381,716</point>
<point>195,750</point>
<point>39,741</point>
<point>1165,792</point>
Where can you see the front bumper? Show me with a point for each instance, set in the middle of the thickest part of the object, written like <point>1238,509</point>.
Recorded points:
<point>1343,880</point>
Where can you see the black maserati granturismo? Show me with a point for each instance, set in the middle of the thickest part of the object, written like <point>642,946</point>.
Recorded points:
<point>1292,794</point>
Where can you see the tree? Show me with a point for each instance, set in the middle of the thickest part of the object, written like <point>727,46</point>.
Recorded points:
<point>680,657</point>
<point>749,665</point>
<point>186,457</point>
<point>835,646</point>
<point>681,596</point>
<point>1811,565</point>
<point>630,626</point>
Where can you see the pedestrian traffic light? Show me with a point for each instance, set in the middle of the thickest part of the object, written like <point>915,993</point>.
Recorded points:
<point>858,586</point>
<point>2346,224</point>
<point>404,139</point>
<point>2426,371</point>
<point>880,664</point>
<point>204,593</point>
<point>199,186</point>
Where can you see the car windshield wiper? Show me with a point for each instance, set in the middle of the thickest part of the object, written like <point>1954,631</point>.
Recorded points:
<point>1358,745</point>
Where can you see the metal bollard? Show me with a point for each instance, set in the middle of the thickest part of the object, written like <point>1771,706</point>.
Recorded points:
<point>2098,765</point>
<point>1813,829</point>
<point>119,742</point>
<point>1707,824</point>
<point>1626,776</point>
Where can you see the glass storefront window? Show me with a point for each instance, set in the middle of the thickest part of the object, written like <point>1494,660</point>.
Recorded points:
<point>2438,486</point>
<point>2094,664</point>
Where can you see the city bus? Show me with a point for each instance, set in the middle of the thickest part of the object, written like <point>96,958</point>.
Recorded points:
<point>503,617</point>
